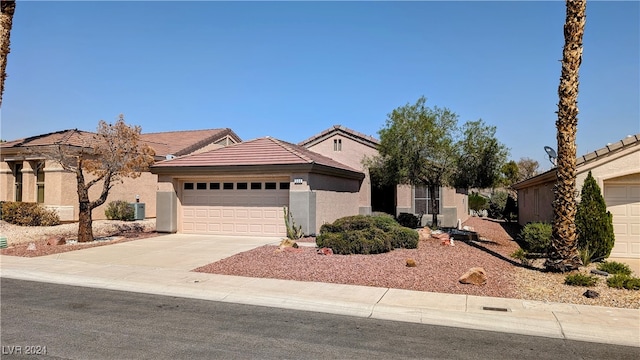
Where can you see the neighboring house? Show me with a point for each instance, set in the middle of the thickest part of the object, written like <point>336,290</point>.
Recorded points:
<point>616,168</point>
<point>351,148</point>
<point>242,189</point>
<point>28,176</point>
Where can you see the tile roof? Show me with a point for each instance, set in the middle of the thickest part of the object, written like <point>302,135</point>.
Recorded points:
<point>261,151</point>
<point>163,143</point>
<point>72,137</point>
<point>550,175</point>
<point>180,143</point>
<point>362,138</point>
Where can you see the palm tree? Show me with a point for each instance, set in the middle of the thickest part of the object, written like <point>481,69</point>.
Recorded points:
<point>6,19</point>
<point>563,255</point>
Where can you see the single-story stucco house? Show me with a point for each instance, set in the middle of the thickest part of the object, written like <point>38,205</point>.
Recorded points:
<point>616,168</point>
<point>28,176</point>
<point>242,189</point>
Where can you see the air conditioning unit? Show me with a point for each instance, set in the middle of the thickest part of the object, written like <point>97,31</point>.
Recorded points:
<point>138,211</point>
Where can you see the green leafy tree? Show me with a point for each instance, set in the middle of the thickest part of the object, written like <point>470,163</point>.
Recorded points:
<point>424,146</point>
<point>564,254</point>
<point>509,173</point>
<point>594,224</point>
<point>481,157</point>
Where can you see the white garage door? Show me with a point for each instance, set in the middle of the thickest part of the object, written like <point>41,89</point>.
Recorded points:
<point>623,201</point>
<point>252,207</point>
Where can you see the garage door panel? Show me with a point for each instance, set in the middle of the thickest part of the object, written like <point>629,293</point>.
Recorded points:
<point>235,212</point>
<point>623,201</point>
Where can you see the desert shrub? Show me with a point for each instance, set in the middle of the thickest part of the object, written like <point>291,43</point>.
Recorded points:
<point>594,224</point>
<point>580,279</point>
<point>620,281</point>
<point>384,222</point>
<point>361,234</point>
<point>28,214</point>
<point>405,238</point>
<point>363,241</point>
<point>521,255</point>
<point>614,267</point>
<point>477,202</point>
<point>337,241</point>
<point>408,220</point>
<point>119,210</point>
<point>369,241</point>
<point>497,204</point>
<point>355,222</point>
<point>536,237</point>
<point>294,232</point>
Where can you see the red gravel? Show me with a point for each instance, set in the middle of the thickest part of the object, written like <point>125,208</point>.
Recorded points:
<point>438,266</point>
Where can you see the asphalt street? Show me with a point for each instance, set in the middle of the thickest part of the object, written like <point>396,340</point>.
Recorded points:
<point>66,322</point>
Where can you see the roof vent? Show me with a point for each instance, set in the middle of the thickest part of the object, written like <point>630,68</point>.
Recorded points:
<point>170,157</point>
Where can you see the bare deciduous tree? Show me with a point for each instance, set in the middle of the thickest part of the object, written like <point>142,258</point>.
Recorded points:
<point>114,153</point>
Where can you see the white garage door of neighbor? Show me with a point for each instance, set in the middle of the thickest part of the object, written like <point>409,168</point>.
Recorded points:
<point>623,201</point>
<point>234,208</point>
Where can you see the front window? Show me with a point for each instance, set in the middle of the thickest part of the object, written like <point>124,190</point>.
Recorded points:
<point>423,200</point>
<point>17,175</point>
<point>40,181</point>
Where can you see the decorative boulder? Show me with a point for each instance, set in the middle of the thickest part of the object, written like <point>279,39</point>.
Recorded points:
<point>411,263</point>
<point>591,294</point>
<point>288,243</point>
<point>325,251</point>
<point>424,234</point>
<point>475,276</point>
<point>56,240</point>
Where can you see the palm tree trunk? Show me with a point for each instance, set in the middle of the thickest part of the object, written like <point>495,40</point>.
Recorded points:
<point>563,255</point>
<point>6,20</point>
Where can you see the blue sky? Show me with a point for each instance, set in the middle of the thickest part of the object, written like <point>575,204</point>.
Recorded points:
<point>292,69</point>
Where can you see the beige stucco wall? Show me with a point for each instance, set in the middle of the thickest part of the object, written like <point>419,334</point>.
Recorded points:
<point>7,191</point>
<point>61,190</point>
<point>605,169</point>
<point>452,199</point>
<point>352,155</point>
<point>328,210</point>
<point>404,199</point>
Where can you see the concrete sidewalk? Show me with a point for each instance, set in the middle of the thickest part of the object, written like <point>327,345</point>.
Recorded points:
<point>161,266</point>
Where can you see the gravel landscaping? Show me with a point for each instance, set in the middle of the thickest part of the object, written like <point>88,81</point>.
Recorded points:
<point>438,266</point>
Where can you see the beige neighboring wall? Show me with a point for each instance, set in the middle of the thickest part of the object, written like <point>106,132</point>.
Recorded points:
<point>535,196</point>
<point>351,154</point>
<point>458,202</point>
<point>335,198</point>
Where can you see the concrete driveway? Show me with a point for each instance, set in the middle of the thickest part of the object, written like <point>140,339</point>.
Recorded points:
<point>171,251</point>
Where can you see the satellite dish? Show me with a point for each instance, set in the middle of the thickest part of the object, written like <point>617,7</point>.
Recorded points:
<point>552,154</point>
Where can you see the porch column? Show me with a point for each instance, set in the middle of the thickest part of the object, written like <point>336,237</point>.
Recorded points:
<point>7,182</point>
<point>29,189</point>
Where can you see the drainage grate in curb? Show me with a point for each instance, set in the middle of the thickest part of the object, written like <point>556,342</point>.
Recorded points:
<point>489,308</point>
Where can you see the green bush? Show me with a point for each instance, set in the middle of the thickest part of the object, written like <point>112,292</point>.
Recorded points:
<point>363,241</point>
<point>28,214</point>
<point>477,202</point>
<point>119,210</point>
<point>405,238</point>
<point>614,267</point>
<point>620,281</point>
<point>408,220</point>
<point>369,241</point>
<point>384,222</point>
<point>497,204</point>
<point>521,255</point>
<point>536,237</point>
<point>580,280</point>
<point>356,222</point>
<point>594,224</point>
<point>362,234</point>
